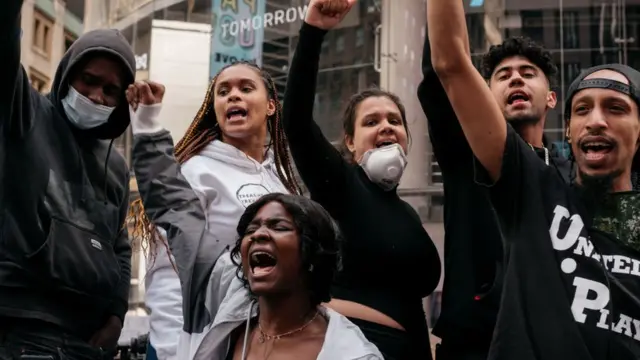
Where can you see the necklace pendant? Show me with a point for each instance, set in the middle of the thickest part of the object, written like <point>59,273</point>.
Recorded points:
<point>261,339</point>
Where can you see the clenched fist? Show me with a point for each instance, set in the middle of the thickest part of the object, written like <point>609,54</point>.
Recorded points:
<point>144,92</point>
<point>326,14</point>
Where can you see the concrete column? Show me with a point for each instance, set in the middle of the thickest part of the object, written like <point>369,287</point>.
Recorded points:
<point>57,36</point>
<point>26,54</point>
<point>493,13</point>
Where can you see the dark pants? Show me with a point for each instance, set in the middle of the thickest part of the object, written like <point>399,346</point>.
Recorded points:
<point>22,338</point>
<point>395,344</point>
<point>449,351</point>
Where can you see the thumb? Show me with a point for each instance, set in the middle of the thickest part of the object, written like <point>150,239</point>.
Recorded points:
<point>146,96</point>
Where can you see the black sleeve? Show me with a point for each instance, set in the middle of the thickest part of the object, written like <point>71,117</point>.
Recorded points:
<point>519,164</point>
<point>172,204</point>
<point>447,139</point>
<point>15,90</point>
<point>320,165</point>
<point>122,249</point>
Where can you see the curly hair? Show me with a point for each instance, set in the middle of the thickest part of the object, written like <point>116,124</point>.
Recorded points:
<point>520,46</point>
<point>349,115</point>
<point>203,130</point>
<point>319,238</point>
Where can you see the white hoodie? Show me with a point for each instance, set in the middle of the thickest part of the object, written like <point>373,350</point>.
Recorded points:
<point>230,181</point>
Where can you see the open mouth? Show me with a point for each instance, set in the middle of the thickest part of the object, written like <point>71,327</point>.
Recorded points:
<point>261,262</point>
<point>596,149</point>
<point>236,113</point>
<point>384,143</point>
<point>517,97</point>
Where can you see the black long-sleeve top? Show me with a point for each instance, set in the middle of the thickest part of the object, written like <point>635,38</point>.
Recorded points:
<point>389,261</point>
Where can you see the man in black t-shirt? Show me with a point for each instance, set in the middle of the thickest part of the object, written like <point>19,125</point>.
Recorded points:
<point>572,277</point>
<point>520,74</point>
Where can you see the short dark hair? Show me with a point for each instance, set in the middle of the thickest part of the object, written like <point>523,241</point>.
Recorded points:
<point>520,46</point>
<point>319,241</point>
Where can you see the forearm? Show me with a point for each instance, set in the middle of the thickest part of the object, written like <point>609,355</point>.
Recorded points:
<point>480,117</point>
<point>15,90</point>
<point>447,31</point>
<point>319,163</point>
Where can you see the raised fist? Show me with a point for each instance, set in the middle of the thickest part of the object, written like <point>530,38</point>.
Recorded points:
<point>144,92</point>
<point>326,14</point>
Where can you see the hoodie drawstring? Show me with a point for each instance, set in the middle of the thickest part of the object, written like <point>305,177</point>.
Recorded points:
<point>247,329</point>
<point>106,173</point>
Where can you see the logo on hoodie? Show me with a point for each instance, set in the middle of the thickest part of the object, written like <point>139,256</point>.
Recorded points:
<point>247,194</point>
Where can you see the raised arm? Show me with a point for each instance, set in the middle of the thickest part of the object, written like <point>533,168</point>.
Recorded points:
<point>178,207</point>
<point>319,163</point>
<point>475,107</point>
<point>15,91</point>
<point>447,139</point>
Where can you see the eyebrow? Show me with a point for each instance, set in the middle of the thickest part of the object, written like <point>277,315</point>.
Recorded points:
<point>118,87</point>
<point>521,67</point>
<point>610,97</point>
<point>271,220</point>
<point>388,113</point>
<point>242,80</point>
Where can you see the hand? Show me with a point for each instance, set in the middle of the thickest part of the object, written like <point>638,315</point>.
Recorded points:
<point>107,337</point>
<point>326,14</point>
<point>144,92</point>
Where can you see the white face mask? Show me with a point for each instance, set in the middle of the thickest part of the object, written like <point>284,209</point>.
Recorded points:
<point>82,112</point>
<point>385,165</point>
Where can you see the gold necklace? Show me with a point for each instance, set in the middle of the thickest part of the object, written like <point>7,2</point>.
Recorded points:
<point>266,337</point>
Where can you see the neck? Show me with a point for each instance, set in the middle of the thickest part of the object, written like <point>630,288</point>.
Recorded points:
<point>532,133</point>
<point>619,183</point>
<point>279,315</point>
<point>252,146</point>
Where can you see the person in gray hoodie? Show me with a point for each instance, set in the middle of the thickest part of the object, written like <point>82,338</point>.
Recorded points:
<point>65,257</point>
<point>263,296</point>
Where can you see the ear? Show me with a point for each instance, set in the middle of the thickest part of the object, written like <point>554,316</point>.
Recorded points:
<point>348,141</point>
<point>271,108</point>
<point>568,133</point>
<point>552,99</point>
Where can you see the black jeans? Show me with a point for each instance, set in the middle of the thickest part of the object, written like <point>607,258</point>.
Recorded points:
<point>29,339</point>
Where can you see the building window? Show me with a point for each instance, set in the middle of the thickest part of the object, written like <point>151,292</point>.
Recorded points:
<point>340,43</point>
<point>38,81</point>
<point>570,30</point>
<point>533,25</point>
<point>68,41</point>
<point>42,30</point>
<point>359,37</point>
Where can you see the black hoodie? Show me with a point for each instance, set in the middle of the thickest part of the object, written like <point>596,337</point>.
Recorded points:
<point>65,257</point>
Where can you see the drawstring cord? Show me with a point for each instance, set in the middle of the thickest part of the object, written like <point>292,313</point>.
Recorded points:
<point>106,172</point>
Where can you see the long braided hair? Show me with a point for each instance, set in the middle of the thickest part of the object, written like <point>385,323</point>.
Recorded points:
<point>203,130</point>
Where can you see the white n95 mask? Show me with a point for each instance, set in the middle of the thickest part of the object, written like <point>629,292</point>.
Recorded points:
<point>82,112</point>
<point>385,165</point>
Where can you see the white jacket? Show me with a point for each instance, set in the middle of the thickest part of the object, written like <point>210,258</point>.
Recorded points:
<point>214,299</point>
<point>227,181</point>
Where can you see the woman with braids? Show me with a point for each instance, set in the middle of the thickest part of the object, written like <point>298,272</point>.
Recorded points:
<point>263,299</point>
<point>226,159</point>
<point>389,262</point>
